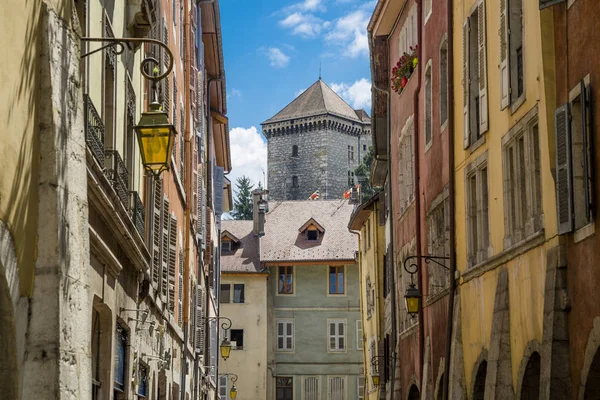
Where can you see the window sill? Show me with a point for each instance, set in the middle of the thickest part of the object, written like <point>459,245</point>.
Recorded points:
<point>409,331</point>
<point>584,232</point>
<point>477,144</point>
<point>505,256</point>
<point>428,144</point>
<point>517,104</point>
<point>444,126</point>
<point>439,295</point>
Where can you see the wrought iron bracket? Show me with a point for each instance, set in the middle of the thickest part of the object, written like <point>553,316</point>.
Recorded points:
<point>411,266</point>
<point>375,360</point>
<point>233,376</point>
<point>120,43</point>
<point>225,325</point>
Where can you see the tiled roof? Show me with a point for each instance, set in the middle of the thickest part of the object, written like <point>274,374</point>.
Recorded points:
<point>244,258</point>
<point>318,99</point>
<point>283,241</point>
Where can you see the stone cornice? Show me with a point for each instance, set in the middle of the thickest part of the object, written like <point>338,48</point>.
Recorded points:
<point>316,123</point>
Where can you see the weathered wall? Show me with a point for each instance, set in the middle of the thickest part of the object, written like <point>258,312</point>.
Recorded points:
<point>250,364</point>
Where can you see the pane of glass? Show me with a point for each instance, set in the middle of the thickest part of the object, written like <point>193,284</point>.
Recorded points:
<point>289,328</point>
<point>280,328</point>
<point>332,328</point>
<point>289,343</point>
<point>332,342</point>
<point>238,293</point>
<point>341,328</point>
<point>280,342</point>
<point>340,284</point>
<point>342,344</point>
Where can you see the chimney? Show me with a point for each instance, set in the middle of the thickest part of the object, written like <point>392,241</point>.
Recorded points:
<point>259,209</point>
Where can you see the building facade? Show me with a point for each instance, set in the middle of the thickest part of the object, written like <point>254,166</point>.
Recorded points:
<point>121,280</point>
<point>368,221</point>
<point>314,144</point>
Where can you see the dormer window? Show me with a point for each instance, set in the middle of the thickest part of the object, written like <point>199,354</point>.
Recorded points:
<point>312,230</point>
<point>226,246</point>
<point>228,240</point>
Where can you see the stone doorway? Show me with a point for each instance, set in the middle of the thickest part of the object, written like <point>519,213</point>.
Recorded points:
<point>479,384</point>
<point>530,390</point>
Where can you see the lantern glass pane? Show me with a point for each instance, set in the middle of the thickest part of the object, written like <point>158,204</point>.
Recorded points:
<point>155,143</point>
<point>412,304</point>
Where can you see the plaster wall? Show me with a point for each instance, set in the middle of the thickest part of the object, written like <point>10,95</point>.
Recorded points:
<point>250,363</point>
<point>526,264</point>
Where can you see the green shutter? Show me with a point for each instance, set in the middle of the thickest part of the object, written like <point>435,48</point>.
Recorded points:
<point>564,172</point>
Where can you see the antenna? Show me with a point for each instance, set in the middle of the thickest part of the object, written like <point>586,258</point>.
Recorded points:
<point>319,69</point>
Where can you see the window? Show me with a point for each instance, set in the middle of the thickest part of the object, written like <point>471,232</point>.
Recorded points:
<point>121,343</point>
<point>512,84</point>
<point>359,335</point>
<point>226,246</point>
<point>285,335</point>
<point>368,287</point>
<point>521,170</point>
<point>237,336</point>
<point>360,387</point>
<point>294,181</point>
<point>350,153</point>
<point>225,295</point>
<point>109,114</point>
<point>310,388</point>
<point>405,166</point>
<point>238,293</point>
<point>295,150</point>
<point>428,104</point>
<point>350,178</point>
<point>337,388</point>
<point>286,280</point>
<point>223,393</point>
<point>408,34</point>
<point>438,242</point>
<point>336,280</point>
<point>364,147</point>
<point>444,82</point>
<point>372,354</point>
<point>337,334</point>
<point>312,234</point>
<point>142,388</point>
<point>284,388</point>
<point>477,213</point>
<point>574,168</point>
<point>474,78</point>
<point>427,11</point>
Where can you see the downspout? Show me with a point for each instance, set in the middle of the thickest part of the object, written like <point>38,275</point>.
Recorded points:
<point>451,200</point>
<point>391,244</point>
<point>189,198</point>
<point>417,166</point>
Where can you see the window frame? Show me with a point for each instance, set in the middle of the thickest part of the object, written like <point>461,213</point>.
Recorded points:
<point>231,338</point>
<point>221,293</point>
<point>142,367</point>
<point>359,386</point>
<point>292,291</point>
<point>225,386</point>
<point>330,379</point>
<point>290,387</point>
<point>428,106</point>
<point>343,272</point>
<point>337,336</point>
<point>444,92</point>
<point>475,170</point>
<point>303,393</point>
<point>124,331</point>
<point>285,336</point>
<point>243,295</point>
<point>359,337</point>
<point>228,248</point>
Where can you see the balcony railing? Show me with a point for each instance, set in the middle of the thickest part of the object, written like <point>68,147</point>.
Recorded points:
<point>94,130</point>
<point>118,175</point>
<point>138,215</point>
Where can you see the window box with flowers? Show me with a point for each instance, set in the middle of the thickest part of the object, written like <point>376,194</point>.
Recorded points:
<point>404,69</point>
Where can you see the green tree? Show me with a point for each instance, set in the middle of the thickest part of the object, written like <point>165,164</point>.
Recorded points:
<point>242,204</point>
<point>363,175</point>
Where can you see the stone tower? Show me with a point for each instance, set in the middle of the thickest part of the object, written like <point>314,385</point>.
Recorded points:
<point>315,143</point>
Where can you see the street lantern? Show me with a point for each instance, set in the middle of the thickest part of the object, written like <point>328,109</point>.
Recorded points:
<point>155,137</point>
<point>225,348</point>
<point>375,378</point>
<point>233,392</point>
<point>413,299</point>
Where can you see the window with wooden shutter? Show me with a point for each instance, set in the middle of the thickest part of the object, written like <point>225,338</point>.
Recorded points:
<point>180,291</point>
<point>285,335</point>
<point>156,232</point>
<point>172,261</point>
<point>564,177</point>
<point>182,145</point>
<point>310,388</point>
<point>586,95</point>
<point>504,56</point>
<point>337,388</point>
<point>200,302</point>
<point>465,84</point>
<point>165,249</point>
<point>482,54</point>
<point>337,334</point>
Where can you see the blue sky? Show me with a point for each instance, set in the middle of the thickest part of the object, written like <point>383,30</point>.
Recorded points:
<point>272,52</point>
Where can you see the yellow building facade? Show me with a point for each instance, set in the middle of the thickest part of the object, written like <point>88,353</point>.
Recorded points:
<point>366,220</point>
<point>505,213</point>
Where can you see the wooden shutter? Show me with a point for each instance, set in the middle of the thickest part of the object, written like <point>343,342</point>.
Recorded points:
<point>504,55</point>
<point>200,202</point>
<point>172,261</point>
<point>465,83</point>
<point>200,301</point>
<point>180,291</point>
<point>311,388</point>
<point>156,232</point>
<point>165,249</point>
<point>482,54</point>
<point>586,126</point>
<point>564,172</point>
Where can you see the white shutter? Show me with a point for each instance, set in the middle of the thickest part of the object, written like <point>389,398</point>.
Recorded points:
<point>156,232</point>
<point>359,335</point>
<point>482,54</point>
<point>465,83</point>
<point>200,311</point>
<point>504,56</point>
<point>180,290</point>
<point>337,388</point>
<point>172,263</point>
<point>564,171</point>
<point>310,388</point>
<point>165,249</point>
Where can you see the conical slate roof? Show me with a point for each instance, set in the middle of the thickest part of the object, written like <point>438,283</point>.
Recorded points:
<point>318,99</point>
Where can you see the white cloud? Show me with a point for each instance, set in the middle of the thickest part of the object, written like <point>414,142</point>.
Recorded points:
<point>306,25</point>
<point>248,155</point>
<point>277,57</point>
<point>299,92</point>
<point>350,31</point>
<point>357,94</point>
<point>235,93</point>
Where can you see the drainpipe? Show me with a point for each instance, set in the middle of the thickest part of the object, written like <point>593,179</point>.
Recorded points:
<point>417,166</point>
<point>390,216</point>
<point>451,184</point>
